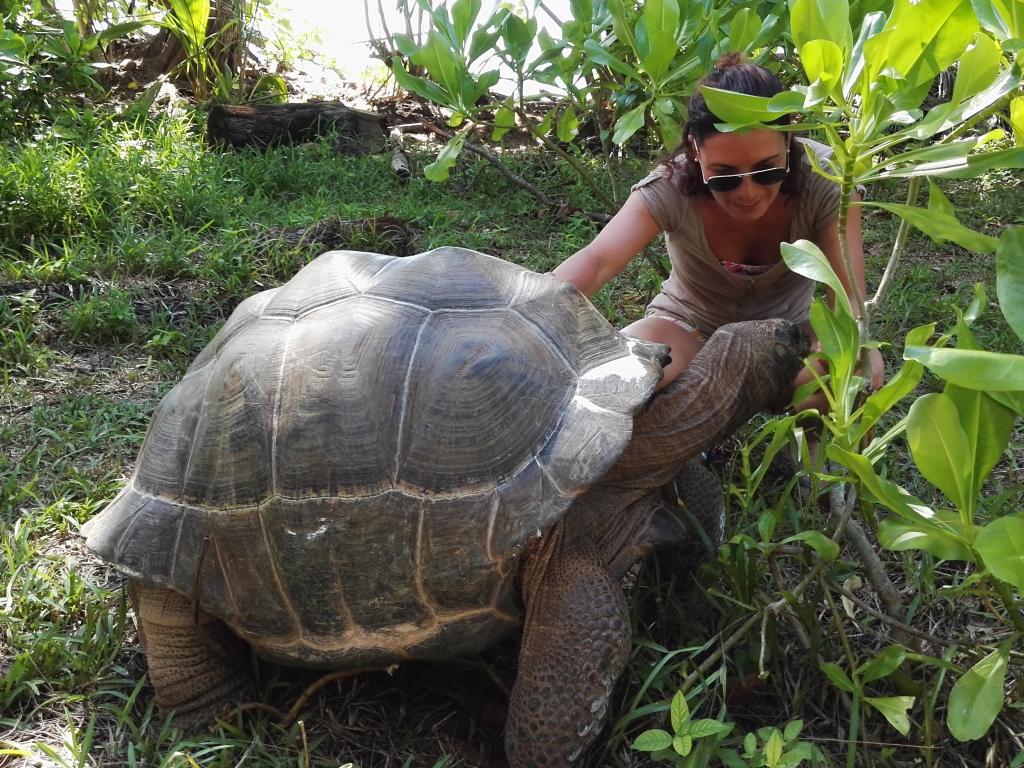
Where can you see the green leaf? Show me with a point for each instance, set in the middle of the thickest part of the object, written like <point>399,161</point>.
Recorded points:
<point>838,677</point>
<point>653,740</point>
<point>441,167</point>
<point>883,665</point>
<point>773,749</point>
<point>604,58</point>
<point>114,31</point>
<point>629,123</point>
<point>939,447</point>
<point>987,425</point>
<point>978,68</point>
<point>1001,546</point>
<point>661,16</point>
<point>894,498</point>
<point>738,108</point>
<point>504,121</point>
<point>871,26</point>
<point>421,86</point>
<point>973,369</point>
<point>792,730</point>
<point>445,68</point>
<point>899,535</point>
<point>895,710</point>
<point>805,258</point>
<point>817,541</point>
<point>680,711</point>
<point>668,126</point>
<point>997,17</point>
<point>821,20</point>
<point>938,202</point>
<point>749,745</point>
<point>977,697</point>
<point>940,227</point>
<point>919,41</point>
<point>683,744</point>
<point>568,125</point>
<point>1012,400</point>
<point>823,61</point>
<point>1017,120</point>
<point>663,51</point>
<point>12,45</point>
<point>518,36</point>
<point>620,24</point>
<point>744,29</point>
<point>881,402</point>
<point>464,13</point>
<point>1010,278</point>
<point>837,333</point>
<point>699,729</point>
<point>483,41</point>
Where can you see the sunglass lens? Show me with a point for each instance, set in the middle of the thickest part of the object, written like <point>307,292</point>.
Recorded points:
<point>770,176</point>
<point>723,183</point>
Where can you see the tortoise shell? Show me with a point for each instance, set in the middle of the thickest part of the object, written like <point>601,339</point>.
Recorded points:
<point>347,473</point>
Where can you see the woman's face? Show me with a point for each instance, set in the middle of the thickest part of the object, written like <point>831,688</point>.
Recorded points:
<point>722,154</point>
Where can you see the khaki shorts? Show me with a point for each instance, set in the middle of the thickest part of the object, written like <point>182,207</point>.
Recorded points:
<point>664,314</point>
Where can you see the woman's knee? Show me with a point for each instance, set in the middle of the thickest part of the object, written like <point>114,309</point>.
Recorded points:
<point>683,345</point>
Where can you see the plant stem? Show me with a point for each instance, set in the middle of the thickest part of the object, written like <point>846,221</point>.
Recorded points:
<point>851,749</point>
<point>897,249</point>
<point>1003,590</point>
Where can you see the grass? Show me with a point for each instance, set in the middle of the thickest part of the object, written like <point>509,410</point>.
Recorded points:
<point>123,247</point>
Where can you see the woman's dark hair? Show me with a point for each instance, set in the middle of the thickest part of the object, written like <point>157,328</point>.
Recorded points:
<point>732,72</point>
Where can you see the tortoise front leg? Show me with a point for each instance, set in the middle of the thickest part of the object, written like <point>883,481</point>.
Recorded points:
<point>192,671</point>
<point>576,641</point>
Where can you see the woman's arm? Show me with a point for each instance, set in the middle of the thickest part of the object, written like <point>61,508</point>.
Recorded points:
<point>622,238</point>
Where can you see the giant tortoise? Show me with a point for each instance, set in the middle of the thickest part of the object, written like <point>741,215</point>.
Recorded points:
<point>386,459</point>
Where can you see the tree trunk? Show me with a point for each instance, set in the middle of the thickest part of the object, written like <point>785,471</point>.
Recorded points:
<point>270,124</point>
<point>164,51</point>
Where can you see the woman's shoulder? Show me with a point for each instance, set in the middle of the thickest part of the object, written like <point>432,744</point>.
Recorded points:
<point>663,172</point>
<point>814,183</point>
<point>823,152</point>
<point>819,199</point>
<point>663,197</point>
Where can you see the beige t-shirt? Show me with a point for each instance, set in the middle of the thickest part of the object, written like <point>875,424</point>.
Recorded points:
<point>703,293</point>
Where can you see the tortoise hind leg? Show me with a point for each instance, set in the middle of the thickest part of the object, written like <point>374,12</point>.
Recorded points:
<point>576,640</point>
<point>688,530</point>
<point>190,666</point>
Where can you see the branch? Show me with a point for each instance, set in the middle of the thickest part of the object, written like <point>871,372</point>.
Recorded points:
<point>897,249</point>
<point>493,159</point>
<point>572,161</point>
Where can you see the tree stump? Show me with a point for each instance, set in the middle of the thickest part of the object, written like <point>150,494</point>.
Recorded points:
<point>270,124</point>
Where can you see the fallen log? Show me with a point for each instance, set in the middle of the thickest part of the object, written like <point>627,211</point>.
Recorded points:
<point>265,125</point>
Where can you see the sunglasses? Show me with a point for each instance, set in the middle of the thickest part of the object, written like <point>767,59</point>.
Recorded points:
<point>766,177</point>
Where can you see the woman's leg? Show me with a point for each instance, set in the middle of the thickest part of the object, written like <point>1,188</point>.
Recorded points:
<point>683,344</point>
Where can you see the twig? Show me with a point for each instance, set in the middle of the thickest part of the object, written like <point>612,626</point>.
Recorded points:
<point>307,694</point>
<point>875,571</point>
<point>491,158</point>
<point>896,623</point>
<point>897,250</point>
<point>576,165</point>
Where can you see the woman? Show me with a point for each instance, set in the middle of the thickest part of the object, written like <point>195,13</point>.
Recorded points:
<point>725,202</point>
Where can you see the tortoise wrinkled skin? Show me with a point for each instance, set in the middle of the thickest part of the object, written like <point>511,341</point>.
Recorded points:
<point>393,459</point>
